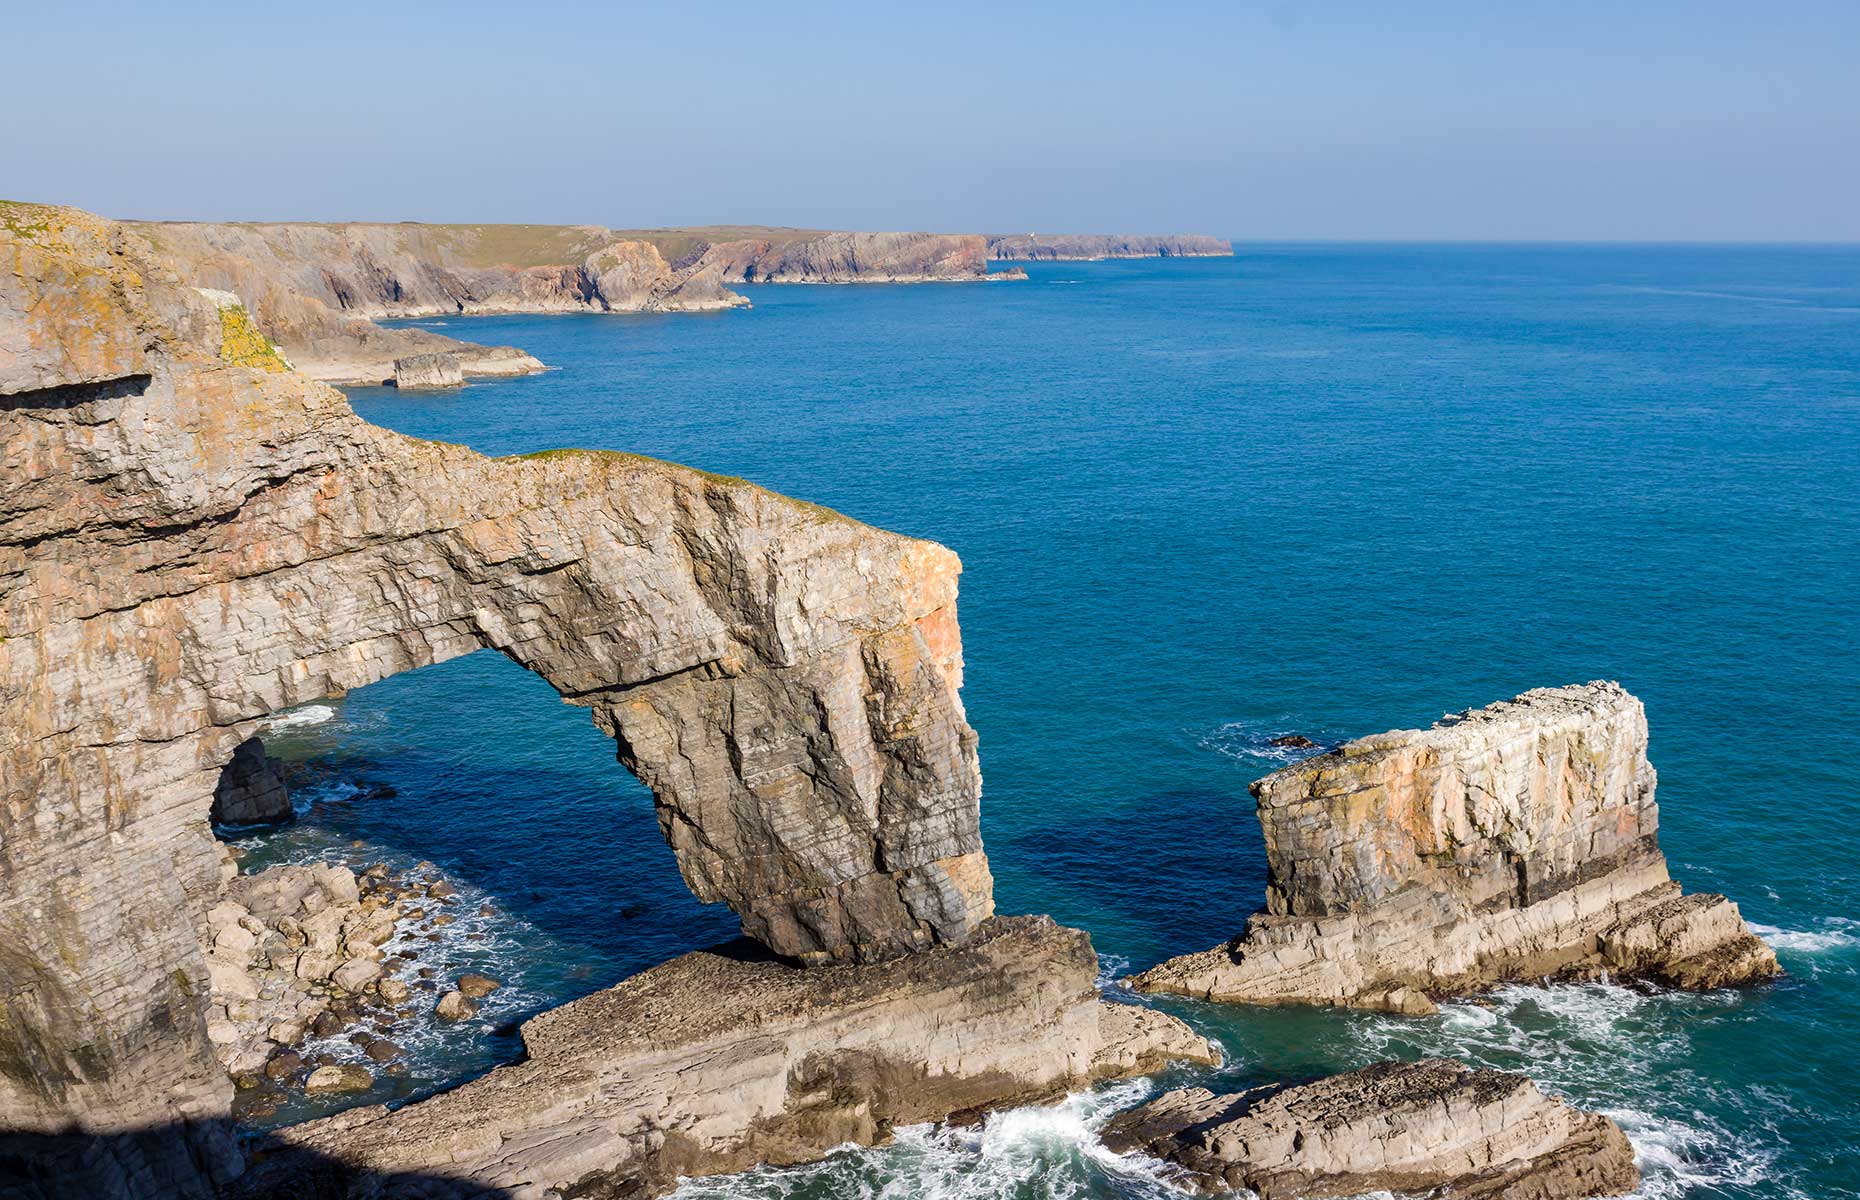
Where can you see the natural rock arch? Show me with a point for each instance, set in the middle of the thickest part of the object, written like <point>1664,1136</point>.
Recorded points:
<point>188,545</point>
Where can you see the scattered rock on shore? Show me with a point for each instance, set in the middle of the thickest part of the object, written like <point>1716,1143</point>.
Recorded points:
<point>338,1077</point>
<point>455,1006</point>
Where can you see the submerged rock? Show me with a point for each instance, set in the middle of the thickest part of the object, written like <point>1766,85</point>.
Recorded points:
<point>1435,1127</point>
<point>716,1061</point>
<point>1509,843</point>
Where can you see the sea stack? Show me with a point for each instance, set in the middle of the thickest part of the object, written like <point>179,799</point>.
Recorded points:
<point>1436,1127</point>
<point>1510,843</point>
<point>428,371</point>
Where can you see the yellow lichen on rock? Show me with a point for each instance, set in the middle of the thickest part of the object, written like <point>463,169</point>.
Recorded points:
<point>242,345</point>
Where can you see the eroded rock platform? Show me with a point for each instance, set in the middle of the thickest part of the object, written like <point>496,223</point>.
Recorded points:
<point>716,1061</point>
<point>1436,1128</point>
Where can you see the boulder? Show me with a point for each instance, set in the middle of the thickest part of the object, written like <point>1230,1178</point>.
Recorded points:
<point>382,1050</point>
<point>1436,1127</point>
<point>338,1078</point>
<point>251,788</point>
<point>355,975</point>
<point>477,986</point>
<point>455,1006</point>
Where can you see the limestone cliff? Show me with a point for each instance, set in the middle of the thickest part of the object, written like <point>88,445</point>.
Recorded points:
<point>1035,247</point>
<point>1434,1127</point>
<point>1514,842</point>
<point>318,289</point>
<point>193,536</point>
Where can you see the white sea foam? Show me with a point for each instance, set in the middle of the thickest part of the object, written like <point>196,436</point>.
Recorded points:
<point>304,799</point>
<point>300,718</point>
<point>1048,1153</point>
<point>1616,1049</point>
<point>1837,933</point>
<point>1251,741</point>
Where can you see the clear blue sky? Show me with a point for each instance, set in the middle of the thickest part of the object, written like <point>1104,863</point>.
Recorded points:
<point>1273,120</point>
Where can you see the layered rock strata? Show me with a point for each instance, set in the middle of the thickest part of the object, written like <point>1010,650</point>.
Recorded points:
<point>714,1062</point>
<point>1036,247</point>
<point>193,536</point>
<point>428,371</point>
<point>1515,842</point>
<point>1436,1128</point>
<point>318,289</point>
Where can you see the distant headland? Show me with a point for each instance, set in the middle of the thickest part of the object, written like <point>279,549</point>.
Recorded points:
<point>318,289</point>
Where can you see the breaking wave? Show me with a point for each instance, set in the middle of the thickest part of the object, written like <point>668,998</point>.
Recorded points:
<point>299,718</point>
<point>1837,933</point>
<point>1621,1052</point>
<point>1043,1153</point>
<point>1251,742</point>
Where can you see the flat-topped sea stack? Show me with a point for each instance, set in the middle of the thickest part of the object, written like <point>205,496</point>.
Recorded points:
<point>1086,247</point>
<point>715,1062</point>
<point>1435,1128</point>
<point>1510,843</point>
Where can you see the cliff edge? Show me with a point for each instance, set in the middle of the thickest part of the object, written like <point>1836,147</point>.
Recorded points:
<point>1082,247</point>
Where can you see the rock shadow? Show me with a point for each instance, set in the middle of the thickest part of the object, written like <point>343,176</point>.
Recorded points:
<point>202,1161</point>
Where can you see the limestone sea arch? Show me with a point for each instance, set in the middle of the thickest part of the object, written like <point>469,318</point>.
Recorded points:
<point>193,536</point>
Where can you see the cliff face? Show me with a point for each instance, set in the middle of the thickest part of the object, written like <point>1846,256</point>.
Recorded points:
<point>1033,247</point>
<point>192,536</point>
<point>853,258</point>
<point>1513,842</point>
<point>318,289</point>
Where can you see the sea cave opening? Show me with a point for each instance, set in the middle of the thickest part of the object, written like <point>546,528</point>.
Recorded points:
<point>496,823</point>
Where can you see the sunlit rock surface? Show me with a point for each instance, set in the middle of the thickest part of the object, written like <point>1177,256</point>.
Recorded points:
<point>1513,842</point>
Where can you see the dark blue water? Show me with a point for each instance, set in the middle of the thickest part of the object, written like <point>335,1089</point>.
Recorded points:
<point>1323,489</point>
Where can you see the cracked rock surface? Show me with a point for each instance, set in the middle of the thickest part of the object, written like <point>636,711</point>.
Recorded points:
<point>1436,1128</point>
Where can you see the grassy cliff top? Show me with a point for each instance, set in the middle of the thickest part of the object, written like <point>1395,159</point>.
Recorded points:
<point>488,245</point>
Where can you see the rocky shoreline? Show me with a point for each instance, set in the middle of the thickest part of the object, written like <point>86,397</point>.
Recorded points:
<point>1060,247</point>
<point>719,1060</point>
<point>315,969</point>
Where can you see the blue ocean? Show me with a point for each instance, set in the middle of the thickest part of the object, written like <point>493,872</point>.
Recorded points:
<point>1317,489</point>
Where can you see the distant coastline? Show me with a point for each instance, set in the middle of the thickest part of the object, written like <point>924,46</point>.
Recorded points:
<point>317,289</point>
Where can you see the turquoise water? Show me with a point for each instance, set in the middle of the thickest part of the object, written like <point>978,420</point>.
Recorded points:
<point>1318,489</point>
